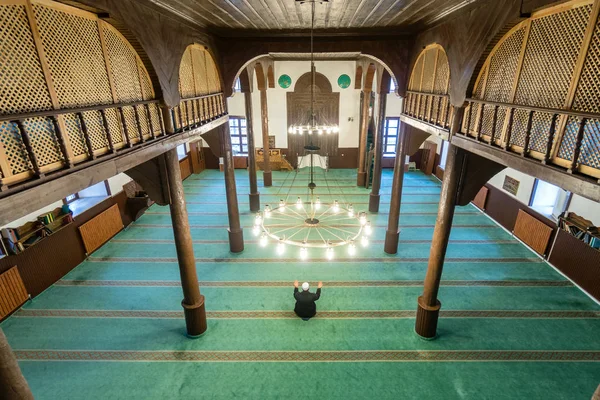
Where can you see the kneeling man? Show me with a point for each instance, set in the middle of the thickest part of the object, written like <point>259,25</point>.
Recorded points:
<point>305,300</point>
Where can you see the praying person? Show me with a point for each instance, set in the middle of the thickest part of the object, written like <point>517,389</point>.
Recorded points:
<point>305,300</point>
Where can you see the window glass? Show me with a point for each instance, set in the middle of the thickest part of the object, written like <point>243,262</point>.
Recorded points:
<point>237,130</point>
<point>237,87</point>
<point>444,155</point>
<point>390,136</point>
<point>548,199</point>
<point>181,151</point>
<point>392,85</point>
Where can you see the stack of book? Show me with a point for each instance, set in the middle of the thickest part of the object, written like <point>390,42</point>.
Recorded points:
<point>581,228</point>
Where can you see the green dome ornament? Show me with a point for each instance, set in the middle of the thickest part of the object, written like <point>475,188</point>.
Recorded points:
<point>284,81</point>
<point>344,81</point>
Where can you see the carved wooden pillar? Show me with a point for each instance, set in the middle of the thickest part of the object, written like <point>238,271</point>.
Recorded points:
<point>193,301</point>
<point>376,185</point>
<point>264,114</point>
<point>428,304</point>
<point>236,235</point>
<point>254,196</point>
<point>393,233</point>
<point>13,385</point>
<point>361,177</point>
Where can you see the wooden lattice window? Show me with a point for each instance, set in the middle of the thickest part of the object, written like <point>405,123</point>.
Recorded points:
<point>431,73</point>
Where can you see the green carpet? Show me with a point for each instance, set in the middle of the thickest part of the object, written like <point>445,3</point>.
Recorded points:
<point>511,327</point>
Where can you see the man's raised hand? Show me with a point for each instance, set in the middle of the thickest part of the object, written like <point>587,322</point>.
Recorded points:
<point>320,285</point>
<point>296,284</point>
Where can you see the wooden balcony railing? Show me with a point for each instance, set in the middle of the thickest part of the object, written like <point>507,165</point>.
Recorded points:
<point>38,143</point>
<point>434,109</point>
<point>564,138</point>
<point>195,111</point>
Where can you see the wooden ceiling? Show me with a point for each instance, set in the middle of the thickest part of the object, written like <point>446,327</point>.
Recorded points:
<point>286,16</point>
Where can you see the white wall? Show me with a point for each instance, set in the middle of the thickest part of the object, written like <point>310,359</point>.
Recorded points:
<point>585,208</point>
<point>116,183</point>
<point>393,106</point>
<point>525,185</point>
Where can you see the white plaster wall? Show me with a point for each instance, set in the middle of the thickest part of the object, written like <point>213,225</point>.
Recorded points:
<point>585,208</point>
<point>393,106</point>
<point>525,186</point>
<point>116,183</point>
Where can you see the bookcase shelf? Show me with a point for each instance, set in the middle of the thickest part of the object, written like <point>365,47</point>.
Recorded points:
<point>581,229</point>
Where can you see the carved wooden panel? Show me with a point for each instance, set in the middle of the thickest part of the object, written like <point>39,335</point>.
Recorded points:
<point>431,72</point>
<point>101,228</point>
<point>12,292</point>
<point>532,232</point>
<point>198,73</point>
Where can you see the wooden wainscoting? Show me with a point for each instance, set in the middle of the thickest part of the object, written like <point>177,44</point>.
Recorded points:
<point>12,292</point>
<point>578,261</point>
<point>100,229</point>
<point>480,198</point>
<point>533,232</point>
<point>185,167</point>
<point>439,173</point>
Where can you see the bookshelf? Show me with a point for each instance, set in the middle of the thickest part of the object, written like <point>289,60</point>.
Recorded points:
<point>581,228</point>
<point>19,239</point>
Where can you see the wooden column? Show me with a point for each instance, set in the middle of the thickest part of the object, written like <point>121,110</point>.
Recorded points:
<point>13,385</point>
<point>393,233</point>
<point>428,304</point>
<point>193,301</point>
<point>236,235</point>
<point>254,196</point>
<point>361,177</point>
<point>264,114</point>
<point>376,185</point>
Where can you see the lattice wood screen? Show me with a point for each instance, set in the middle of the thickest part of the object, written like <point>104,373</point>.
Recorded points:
<point>431,73</point>
<point>551,60</point>
<point>198,73</point>
<point>54,56</point>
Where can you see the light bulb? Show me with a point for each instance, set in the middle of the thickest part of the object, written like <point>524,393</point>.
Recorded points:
<point>317,203</point>
<point>263,240</point>
<point>255,230</point>
<point>291,130</point>
<point>299,131</point>
<point>336,129</point>
<point>267,211</point>
<point>329,253</point>
<point>368,229</point>
<point>328,131</point>
<point>281,205</point>
<point>257,220</point>
<point>303,253</point>
<point>336,206</point>
<point>281,247</point>
<point>362,218</point>
<point>320,131</point>
<point>364,241</point>
<point>350,211</point>
<point>351,248</point>
<point>299,203</point>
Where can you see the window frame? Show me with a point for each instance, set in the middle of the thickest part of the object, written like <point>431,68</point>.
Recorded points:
<point>238,148</point>
<point>386,136</point>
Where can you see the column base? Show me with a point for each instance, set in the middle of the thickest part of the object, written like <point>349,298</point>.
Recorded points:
<point>236,241</point>
<point>391,242</point>
<point>427,319</point>
<point>254,201</point>
<point>374,202</point>
<point>361,179</point>
<point>195,318</point>
<point>267,178</point>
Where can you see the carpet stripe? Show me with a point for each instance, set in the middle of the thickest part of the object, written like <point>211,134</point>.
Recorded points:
<point>153,226</point>
<point>368,314</point>
<point>484,241</point>
<point>310,356</point>
<point>390,260</point>
<point>405,283</point>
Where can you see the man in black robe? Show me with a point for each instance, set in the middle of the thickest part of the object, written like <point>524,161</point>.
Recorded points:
<point>305,300</point>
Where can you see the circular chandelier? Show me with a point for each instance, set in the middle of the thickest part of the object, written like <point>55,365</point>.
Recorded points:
<point>309,223</point>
